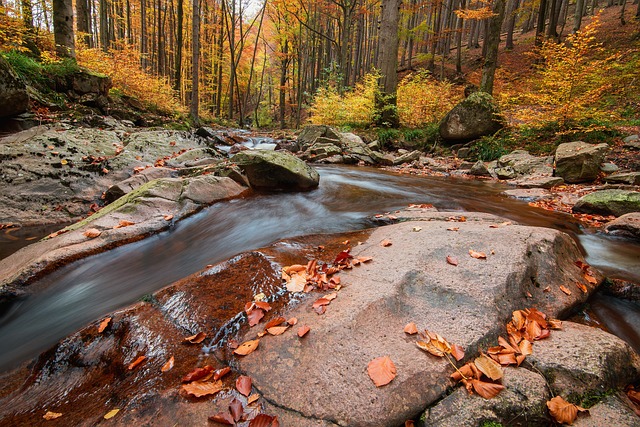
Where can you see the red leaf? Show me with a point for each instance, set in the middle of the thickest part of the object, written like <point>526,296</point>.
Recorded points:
<point>195,339</point>
<point>264,420</point>
<point>485,389</point>
<point>274,322</point>
<point>198,374</point>
<point>342,257</point>
<point>452,260</point>
<point>457,352</point>
<point>255,316</point>
<point>263,305</point>
<point>381,370</point>
<point>236,409</point>
<point>223,418</point>
<point>243,385</point>
<point>320,302</point>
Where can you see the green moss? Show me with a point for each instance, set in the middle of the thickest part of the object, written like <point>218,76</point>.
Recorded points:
<point>589,398</point>
<point>487,423</point>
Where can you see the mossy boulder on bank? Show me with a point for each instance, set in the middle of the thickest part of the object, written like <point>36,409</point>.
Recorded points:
<point>276,170</point>
<point>609,202</point>
<point>13,92</point>
<point>474,117</point>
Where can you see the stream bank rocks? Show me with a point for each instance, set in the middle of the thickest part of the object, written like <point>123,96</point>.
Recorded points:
<point>276,170</point>
<point>321,379</point>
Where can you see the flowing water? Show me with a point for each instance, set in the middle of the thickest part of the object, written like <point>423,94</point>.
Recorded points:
<point>85,290</point>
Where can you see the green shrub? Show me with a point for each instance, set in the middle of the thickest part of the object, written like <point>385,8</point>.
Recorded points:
<point>490,148</point>
<point>386,136</point>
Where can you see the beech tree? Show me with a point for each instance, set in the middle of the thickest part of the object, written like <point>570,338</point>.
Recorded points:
<point>492,43</point>
<point>386,102</point>
<point>63,28</point>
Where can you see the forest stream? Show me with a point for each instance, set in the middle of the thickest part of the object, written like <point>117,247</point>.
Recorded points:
<point>346,200</point>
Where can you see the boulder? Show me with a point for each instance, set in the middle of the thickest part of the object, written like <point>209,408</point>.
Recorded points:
<point>474,117</point>
<point>479,169</point>
<point>411,281</point>
<point>384,159</point>
<point>614,410</point>
<point>13,92</point>
<point>579,360</point>
<point>626,225</point>
<point>522,402</point>
<point>128,185</point>
<point>609,202</point>
<point>533,181</point>
<point>276,170</point>
<point>632,142</point>
<point>631,178</point>
<point>311,133</point>
<point>529,194</point>
<point>407,158</point>
<point>578,161</point>
<point>609,168</point>
<point>520,162</point>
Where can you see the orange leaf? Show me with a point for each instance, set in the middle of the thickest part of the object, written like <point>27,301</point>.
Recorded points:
<point>169,365</point>
<point>168,217</point>
<point>563,411</point>
<point>411,328</point>
<point>263,305</point>
<point>296,282</point>
<point>92,233</point>
<point>136,362</point>
<point>195,339</point>
<point>223,418</point>
<point>274,322</point>
<point>243,385</point>
<point>525,347</point>
<point>202,388</point>
<point>255,316</point>
<point>477,255</point>
<point>488,366</point>
<point>198,374</point>
<point>112,413</point>
<point>565,290</point>
<point>386,243</point>
<point>320,302</point>
<point>485,389</point>
<point>292,321</point>
<point>457,352</point>
<point>252,398</point>
<point>452,260</point>
<point>104,324</point>
<point>302,331</point>
<point>51,415</point>
<point>467,370</point>
<point>221,373</point>
<point>590,279</point>
<point>555,323</point>
<point>507,359</point>
<point>453,228</point>
<point>331,296</point>
<point>582,287</point>
<point>123,223</point>
<point>277,330</point>
<point>246,347</point>
<point>381,370</point>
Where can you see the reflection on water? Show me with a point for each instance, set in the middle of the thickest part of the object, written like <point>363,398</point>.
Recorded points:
<point>86,290</point>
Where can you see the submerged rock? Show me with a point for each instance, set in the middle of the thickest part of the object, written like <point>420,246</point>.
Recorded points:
<point>276,170</point>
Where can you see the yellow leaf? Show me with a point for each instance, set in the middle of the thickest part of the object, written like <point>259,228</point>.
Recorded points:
<point>488,366</point>
<point>112,413</point>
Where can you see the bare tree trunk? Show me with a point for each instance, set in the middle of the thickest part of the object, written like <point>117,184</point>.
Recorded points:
<point>63,28</point>
<point>511,22</point>
<point>553,20</point>
<point>387,111</point>
<point>195,63</point>
<point>622,21</point>
<point>577,16</point>
<point>283,81</point>
<point>143,33</point>
<point>492,42</point>
<point>177,81</point>
<point>542,16</point>
<point>459,40</point>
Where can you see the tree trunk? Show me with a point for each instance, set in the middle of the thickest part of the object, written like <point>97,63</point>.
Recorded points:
<point>283,81</point>
<point>459,40</point>
<point>83,23</point>
<point>577,16</point>
<point>143,34</point>
<point>511,23</point>
<point>492,42</point>
<point>554,11</point>
<point>386,102</point>
<point>177,81</point>
<point>542,16</point>
<point>195,63</point>
<point>63,28</point>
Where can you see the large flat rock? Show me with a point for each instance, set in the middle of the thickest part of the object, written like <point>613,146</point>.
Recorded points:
<point>324,375</point>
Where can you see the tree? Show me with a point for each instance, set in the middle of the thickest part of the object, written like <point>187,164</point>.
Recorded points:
<point>195,63</point>
<point>63,28</point>
<point>386,102</point>
<point>492,42</point>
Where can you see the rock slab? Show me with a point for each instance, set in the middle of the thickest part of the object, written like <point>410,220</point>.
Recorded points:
<point>578,161</point>
<point>609,202</point>
<point>276,170</point>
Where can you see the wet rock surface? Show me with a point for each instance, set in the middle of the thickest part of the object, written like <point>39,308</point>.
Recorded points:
<point>272,170</point>
<point>626,225</point>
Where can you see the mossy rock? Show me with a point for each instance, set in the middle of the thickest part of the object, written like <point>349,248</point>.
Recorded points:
<point>474,117</point>
<point>609,202</point>
<point>276,170</point>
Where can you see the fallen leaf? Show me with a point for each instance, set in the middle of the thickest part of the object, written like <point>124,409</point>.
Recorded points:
<point>331,296</point>
<point>255,316</point>
<point>168,217</point>
<point>246,347</point>
<point>195,339</point>
<point>477,255</point>
<point>169,365</point>
<point>488,366</point>
<point>51,415</point>
<point>243,385</point>
<point>263,305</point>
<point>292,321</point>
<point>112,413</point>
<point>555,323</point>
<point>453,229</point>
<point>202,388</point>
<point>302,331</point>
<point>219,373</point>
<point>277,330</point>
<point>343,256</point>
<point>591,279</point>
<point>457,352</point>
<point>386,243</point>
<point>416,229</point>
<point>223,418</point>
<point>198,374</point>
<point>411,328</point>
<point>274,322</point>
<point>92,233</point>
<point>123,223</point>
<point>582,287</point>
<point>252,398</point>
<point>452,260</point>
<point>409,423</point>
<point>236,409</point>
<point>525,347</point>
<point>136,362</point>
<point>565,290</point>
<point>485,389</point>
<point>563,411</point>
<point>320,309</point>
<point>381,370</point>
<point>104,324</point>
<point>64,161</point>
<point>296,282</point>
<point>264,420</point>
<point>320,302</point>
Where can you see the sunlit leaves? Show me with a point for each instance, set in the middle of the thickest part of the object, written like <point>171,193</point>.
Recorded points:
<point>169,365</point>
<point>104,324</point>
<point>112,413</point>
<point>381,370</point>
<point>562,411</point>
<point>247,347</point>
